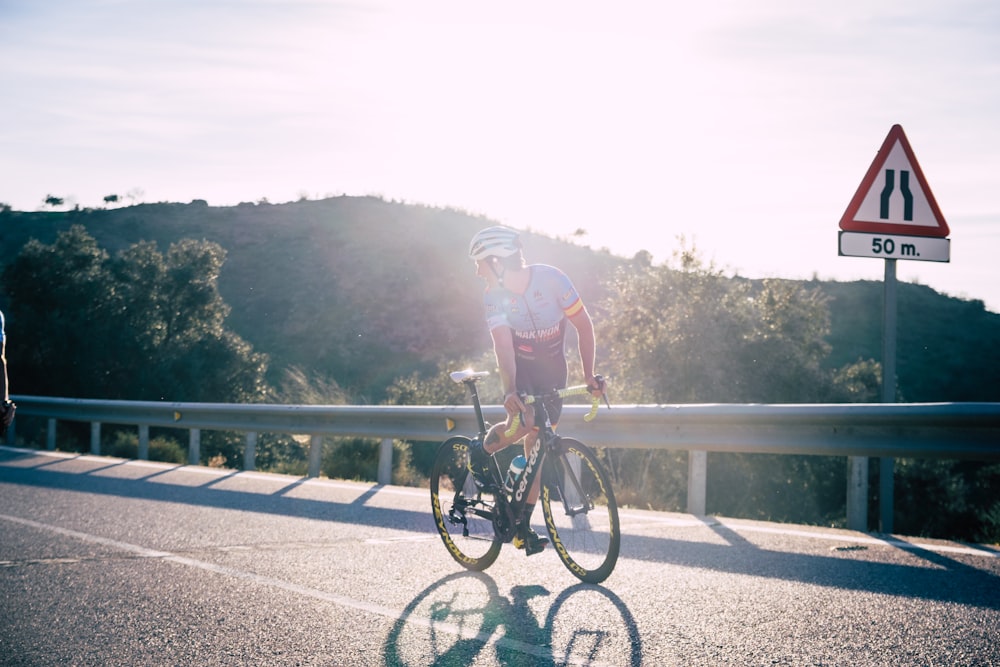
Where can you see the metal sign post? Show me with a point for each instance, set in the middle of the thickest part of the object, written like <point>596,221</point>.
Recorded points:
<point>887,464</point>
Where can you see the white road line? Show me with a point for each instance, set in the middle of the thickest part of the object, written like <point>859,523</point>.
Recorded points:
<point>401,538</point>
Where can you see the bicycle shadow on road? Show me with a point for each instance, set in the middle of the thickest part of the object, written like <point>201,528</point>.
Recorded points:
<point>455,619</point>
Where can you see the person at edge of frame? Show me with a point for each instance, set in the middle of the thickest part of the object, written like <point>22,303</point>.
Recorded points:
<point>7,408</point>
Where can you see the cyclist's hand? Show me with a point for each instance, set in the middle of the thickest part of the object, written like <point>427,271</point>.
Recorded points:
<point>514,406</point>
<point>596,385</point>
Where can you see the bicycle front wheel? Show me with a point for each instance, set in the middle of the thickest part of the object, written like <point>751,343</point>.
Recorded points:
<point>580,511</point>
<point>463,514</point>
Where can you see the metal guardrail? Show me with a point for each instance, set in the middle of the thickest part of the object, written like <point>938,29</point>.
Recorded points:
<point>917,430</point>
<point>905,430</point>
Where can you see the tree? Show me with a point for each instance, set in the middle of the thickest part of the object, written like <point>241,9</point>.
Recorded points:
<point>688,334</point>
<point>111,199</point>
<point>53,201</point>
<point>669,331</point>
<point>140,326</point>
<point>60,300</point>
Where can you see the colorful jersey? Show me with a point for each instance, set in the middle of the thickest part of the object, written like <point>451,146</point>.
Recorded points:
<point>538,317</point>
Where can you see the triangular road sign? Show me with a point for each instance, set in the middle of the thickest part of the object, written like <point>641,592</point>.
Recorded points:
<point>894,197</point>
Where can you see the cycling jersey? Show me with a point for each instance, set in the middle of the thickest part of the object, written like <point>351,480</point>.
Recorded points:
<point>537,319</point>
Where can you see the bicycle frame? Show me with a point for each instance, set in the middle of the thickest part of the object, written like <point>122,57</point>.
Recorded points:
<point>511,506</point>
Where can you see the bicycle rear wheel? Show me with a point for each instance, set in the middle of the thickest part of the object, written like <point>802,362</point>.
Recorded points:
<point>463,513</point>
<point>580,511</point>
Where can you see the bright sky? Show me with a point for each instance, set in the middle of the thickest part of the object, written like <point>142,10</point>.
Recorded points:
<point>744,126</point>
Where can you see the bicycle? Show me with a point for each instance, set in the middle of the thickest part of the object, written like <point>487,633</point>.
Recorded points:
<point>475,519</point>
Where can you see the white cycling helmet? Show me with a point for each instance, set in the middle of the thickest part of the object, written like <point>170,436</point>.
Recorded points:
<point>494,242</point>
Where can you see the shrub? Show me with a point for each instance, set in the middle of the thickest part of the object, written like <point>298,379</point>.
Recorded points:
<point>357,459</point>
<point>125,445</point>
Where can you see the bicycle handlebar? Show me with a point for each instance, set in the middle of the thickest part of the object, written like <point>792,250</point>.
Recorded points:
<point>577,390</point>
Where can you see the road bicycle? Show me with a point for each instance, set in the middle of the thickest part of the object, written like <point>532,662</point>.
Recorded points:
<point>475,518</point>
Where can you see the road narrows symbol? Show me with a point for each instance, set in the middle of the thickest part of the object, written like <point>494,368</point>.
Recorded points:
<point>890,185</point>
<point>904,188</point>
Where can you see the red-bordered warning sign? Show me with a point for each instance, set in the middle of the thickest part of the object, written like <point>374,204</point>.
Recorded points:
<point>894,197</point>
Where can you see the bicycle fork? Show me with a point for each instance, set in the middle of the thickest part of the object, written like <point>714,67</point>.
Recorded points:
<point>567,480</point>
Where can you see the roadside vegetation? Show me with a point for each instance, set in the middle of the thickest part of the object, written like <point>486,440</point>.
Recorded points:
<point>359,300</point>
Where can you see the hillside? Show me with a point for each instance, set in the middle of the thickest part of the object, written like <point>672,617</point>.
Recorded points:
<point>362,290</point>
<point>356,289</point>
<point>946,348</point>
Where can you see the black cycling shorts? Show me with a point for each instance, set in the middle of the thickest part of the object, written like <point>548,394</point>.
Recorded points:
<point>537,376</point>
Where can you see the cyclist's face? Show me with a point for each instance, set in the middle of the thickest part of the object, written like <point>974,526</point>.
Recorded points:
<point>483,269</point>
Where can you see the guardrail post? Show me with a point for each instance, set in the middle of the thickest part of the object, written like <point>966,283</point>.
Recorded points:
<point>143,452</point>
<point>886,470</point>
<point>385,462</point>
<point>857,493</point>
<point>315,454</point>
<point>250,453</point>
<point>194,447</point>
<point>95,438</point>
<point>50,435</point>
<point>697,481</point>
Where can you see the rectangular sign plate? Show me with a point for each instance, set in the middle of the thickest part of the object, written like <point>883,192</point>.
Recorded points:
<point>895,246</point>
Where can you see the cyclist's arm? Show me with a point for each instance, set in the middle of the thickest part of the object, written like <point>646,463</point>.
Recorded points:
<point>588,347</point>
<point>503,347</point>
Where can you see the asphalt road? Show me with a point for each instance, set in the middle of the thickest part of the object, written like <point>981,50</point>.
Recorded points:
<point>108,562</point>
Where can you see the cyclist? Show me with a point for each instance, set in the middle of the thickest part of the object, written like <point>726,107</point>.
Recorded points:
<point>527,309</point>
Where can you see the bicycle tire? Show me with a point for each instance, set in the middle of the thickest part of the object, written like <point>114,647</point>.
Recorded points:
<point>587,537</point>
<point>463,513</point>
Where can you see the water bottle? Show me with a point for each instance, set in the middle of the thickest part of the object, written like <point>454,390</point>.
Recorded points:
<point>514,472</point>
